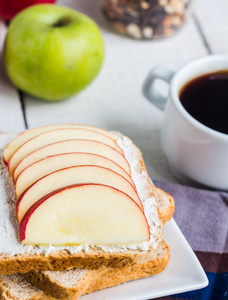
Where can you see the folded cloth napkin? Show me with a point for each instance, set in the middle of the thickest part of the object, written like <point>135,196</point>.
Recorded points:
<point>202,216</point>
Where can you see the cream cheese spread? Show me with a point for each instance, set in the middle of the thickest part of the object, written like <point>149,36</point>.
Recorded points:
<point>9,229</point>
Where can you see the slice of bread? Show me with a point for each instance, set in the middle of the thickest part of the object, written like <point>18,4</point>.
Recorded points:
<point>166,204</point>
<point>71,284</point>
<point>16,287</point>
<point>63,258</point>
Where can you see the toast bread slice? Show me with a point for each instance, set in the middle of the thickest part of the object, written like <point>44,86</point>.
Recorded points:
<point>16,287</point>
<point>72,284</point>
<point>94,257</point>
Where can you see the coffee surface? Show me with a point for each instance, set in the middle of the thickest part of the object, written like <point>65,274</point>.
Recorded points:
<point>206,99</point>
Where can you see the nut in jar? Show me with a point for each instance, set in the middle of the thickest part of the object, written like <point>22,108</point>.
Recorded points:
<point>146,19</point>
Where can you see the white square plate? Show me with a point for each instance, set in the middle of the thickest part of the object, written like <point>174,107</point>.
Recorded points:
<point>183,273</point>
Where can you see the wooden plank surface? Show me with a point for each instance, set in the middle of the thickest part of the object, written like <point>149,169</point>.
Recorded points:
<point>11,114</point>
<point>117,89</point>
<point>114,100</point>
<point>213,18</point>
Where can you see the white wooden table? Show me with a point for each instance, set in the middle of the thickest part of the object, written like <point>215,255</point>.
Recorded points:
<point>114,100</point>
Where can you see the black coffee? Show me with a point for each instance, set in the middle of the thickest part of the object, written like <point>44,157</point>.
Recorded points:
<point>206,99</point>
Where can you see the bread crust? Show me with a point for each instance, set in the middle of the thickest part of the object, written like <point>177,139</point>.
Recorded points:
<point>164,201</point>
<point>63,260</point>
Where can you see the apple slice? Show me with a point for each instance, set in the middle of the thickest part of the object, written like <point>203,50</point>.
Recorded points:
<point>57,135</point>
<point>53,163</point>
<point>67,177</point>
<point>84,214</point>
<point>29,134</point>
<point>73,146</point>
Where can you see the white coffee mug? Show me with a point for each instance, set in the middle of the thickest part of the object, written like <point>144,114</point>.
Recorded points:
<point>196,153</point>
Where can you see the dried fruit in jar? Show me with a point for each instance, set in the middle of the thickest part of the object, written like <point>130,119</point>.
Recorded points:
<point>146,19</point>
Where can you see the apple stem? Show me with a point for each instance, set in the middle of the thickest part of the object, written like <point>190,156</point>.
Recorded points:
<point>62,22</point>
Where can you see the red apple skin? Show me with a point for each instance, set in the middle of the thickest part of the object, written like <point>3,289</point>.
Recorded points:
<point>89,152</point>
<point>62,130</point>
<point>50,127</point>
<point>9,8</point>
<point>14,181</point>
<point>29,213</point>
<point>4,161</point>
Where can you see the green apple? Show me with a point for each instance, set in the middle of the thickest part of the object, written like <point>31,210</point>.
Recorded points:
<point>52,52</point>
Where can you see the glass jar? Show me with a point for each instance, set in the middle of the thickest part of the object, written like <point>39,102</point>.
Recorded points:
<point>146,19</point>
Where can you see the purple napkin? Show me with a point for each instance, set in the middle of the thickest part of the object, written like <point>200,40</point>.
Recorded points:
<point>203,218</point>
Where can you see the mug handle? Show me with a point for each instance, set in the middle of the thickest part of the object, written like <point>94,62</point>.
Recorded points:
<point>148,89</point>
